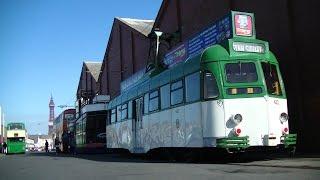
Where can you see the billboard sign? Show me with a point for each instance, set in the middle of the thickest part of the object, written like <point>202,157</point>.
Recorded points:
<point>214,34</point>
<point>243,25</point>
<point>235,24</point>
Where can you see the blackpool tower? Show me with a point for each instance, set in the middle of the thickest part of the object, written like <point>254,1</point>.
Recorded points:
<point>51,116</point>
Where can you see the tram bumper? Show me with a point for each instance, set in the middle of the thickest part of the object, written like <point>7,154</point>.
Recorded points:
<point>288,142</point>
<point>233,143</point>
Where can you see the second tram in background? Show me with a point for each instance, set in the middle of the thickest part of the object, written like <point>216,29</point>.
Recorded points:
<point>220,89</point>
<point>16,138</point>
<point>60,128</point>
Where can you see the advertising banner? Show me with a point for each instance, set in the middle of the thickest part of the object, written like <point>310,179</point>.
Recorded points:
<point>208,37</point>
<point>235,24</point>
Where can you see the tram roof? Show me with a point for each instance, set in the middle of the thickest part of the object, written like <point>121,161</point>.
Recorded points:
<point>147,82</point>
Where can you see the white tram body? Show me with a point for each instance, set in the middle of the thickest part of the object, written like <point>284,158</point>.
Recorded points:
<point>199,125</point>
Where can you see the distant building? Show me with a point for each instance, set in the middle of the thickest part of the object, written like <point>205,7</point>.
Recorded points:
<point>40,140</point>
<point>51,116</point>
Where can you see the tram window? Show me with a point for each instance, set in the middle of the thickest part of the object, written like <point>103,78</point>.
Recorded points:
<point>176,93</point>
<point>154,101</point>
<point>119,113</point>
<point>165,96</point>
<point>113,116</point>
<point>192,87</point>
<point>130,110</point>
<point>146,103</point>
<point>272,79</point>
<point>84,123</point>
<point>124,111</point>
<point>16,139</point>
<point>241,72</point>
<point>210,86</point>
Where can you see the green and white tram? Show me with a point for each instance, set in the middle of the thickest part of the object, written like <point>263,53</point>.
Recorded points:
<point>16,134</point>
<point>221,89</point>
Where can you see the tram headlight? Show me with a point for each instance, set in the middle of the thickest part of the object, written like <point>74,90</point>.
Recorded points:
<point>237,118</point>
<point>284,117</point>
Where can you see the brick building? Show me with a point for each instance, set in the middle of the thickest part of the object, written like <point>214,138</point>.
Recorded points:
<point>127,52</point>
<point>88,83</point>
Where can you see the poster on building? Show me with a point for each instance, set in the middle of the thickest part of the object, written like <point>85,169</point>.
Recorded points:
<point>214,34</point>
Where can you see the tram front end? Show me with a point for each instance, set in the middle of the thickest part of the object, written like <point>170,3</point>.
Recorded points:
<point>250,111</point>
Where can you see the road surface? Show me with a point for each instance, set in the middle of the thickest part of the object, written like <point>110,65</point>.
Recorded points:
<point>43,166</point>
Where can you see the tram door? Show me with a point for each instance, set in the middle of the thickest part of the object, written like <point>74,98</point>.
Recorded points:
<point>137,124</point>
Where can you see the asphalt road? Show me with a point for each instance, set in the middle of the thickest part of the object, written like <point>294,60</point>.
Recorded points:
<point>43,166</point>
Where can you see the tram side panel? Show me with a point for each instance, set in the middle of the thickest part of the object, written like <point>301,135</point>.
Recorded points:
<point>155,121</point>
<point>165,128</point>
<point>213,124</point>
<point>125,134</point>
<point>111,136</point>
<point>193,125</point>
<point>178,127</point>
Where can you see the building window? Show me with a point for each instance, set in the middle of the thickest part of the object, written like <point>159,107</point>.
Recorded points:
<point>177,93</point>
<point>192,87</point>
<point>124,111</point>
<point>165,96</point>
<point>113,116</point>
<point>210,86</point>
<point>154,101</point>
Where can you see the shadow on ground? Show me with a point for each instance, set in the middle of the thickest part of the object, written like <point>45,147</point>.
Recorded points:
<point>198,158</point>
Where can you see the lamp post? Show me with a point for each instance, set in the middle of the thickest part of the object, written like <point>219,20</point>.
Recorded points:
<point>158,33</point>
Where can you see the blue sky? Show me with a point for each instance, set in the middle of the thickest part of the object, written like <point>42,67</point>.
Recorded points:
<point>43,44</point>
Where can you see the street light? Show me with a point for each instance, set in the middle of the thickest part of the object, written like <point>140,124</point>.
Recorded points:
<point>158,33</point>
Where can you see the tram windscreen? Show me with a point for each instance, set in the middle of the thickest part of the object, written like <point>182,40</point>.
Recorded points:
<point>19,139</point>
<point>15,126</point>
<point>241,72</point>
<point>272,79</point>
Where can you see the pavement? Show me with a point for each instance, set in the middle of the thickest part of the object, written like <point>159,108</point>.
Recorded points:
<point>49,166</point>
